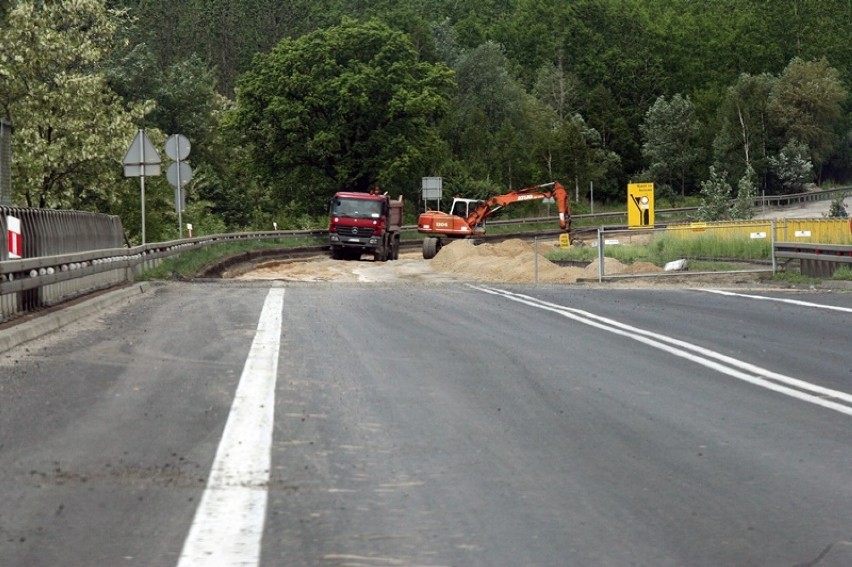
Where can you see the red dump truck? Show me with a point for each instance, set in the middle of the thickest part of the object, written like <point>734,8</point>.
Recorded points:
<point>364,223</point>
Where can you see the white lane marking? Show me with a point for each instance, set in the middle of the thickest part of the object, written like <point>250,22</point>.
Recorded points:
<point>781,300</point>
<point>229,521</point>
<point>753,374</point>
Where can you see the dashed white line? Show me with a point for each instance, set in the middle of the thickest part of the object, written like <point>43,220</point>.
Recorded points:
<point>228,524</point>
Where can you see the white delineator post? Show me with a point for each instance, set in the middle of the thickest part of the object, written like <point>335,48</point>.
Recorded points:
<point>14,237</point>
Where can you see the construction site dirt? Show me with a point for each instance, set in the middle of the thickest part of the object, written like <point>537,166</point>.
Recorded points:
<point>515,262</point>
<point>508,262</point>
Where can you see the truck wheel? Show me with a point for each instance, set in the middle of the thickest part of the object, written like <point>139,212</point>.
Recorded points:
<point>395,249</point>
<point>381,255</point>
<point>431,245</point>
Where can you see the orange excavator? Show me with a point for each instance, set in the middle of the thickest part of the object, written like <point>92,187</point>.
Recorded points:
<point>466,218</point>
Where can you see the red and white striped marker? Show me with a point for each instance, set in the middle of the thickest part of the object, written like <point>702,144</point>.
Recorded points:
<point>14,237</point>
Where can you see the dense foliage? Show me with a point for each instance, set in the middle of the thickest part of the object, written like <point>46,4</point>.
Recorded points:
<point>344,108</point>
<point>285,102</point>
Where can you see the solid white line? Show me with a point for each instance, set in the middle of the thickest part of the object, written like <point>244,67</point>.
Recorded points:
<point>229,521</point>
<point>781,300</point>
<point>793,387</point>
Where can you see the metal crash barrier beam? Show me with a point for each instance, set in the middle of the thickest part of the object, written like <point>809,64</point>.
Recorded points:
<point>815,260</point>
<point>27,284</point>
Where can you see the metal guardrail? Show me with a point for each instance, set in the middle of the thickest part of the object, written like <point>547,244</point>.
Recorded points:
<point>797,198</point>
<point>28,284</point>
<point>38,233</point>
<point>815,260</point>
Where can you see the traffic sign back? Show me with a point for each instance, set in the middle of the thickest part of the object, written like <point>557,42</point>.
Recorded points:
<point>142,158</point>
<point>177,147</point>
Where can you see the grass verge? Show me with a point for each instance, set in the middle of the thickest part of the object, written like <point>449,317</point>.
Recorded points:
<point>664,248</point>
<point>794,278</point>
<point>843,274</point>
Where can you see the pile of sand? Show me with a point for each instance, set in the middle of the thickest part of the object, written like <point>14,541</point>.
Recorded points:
<point>514,261</point>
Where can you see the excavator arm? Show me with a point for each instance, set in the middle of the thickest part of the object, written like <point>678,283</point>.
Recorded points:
<point>438,225</point>
<point>542,191</point>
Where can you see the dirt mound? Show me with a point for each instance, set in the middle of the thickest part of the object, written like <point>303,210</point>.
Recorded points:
<point>511,261</point>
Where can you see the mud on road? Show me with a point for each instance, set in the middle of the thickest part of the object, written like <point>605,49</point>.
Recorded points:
<point>512,261</point>
<point>410,267</point>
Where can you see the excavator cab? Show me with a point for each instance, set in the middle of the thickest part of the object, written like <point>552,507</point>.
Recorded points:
<point>464,207</point>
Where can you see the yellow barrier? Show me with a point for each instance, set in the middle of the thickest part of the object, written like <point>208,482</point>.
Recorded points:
<point>814,231</point>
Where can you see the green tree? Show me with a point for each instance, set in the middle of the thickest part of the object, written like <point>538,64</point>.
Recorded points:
<point>669,133</point>
<point>807,104</point>
<point>807,30</point>
<point>485,84</point>
<point>715,197</point>
<point>445,38</point>
<point>474,20</point>
<point>570,151</point>
<point>617,139</point>
<point>341,108</point>
<point>487,125</point>
<point>792,166</point>
<point>557,88</point>
<point>571,148</point>
<point>837,207</point>
<point>71,129</point>
<point>746,190</point>
<point>185,92</point>
<point>187,102</point>
<point>744,136</point>
<point>225,33</point>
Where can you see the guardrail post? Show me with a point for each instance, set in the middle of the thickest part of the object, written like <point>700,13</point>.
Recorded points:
<point>772,245</point>
<point>600,254</point>
<point>535,258</point>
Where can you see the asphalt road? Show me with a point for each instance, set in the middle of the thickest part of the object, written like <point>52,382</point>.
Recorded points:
<point>439,424</point>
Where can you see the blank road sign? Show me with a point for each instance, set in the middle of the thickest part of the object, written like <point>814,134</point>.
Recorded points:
<point>177,147</point>
<point>141,159</point>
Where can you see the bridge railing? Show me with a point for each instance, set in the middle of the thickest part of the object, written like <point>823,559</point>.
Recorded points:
<point>28,284</point>
<point>46,232</point>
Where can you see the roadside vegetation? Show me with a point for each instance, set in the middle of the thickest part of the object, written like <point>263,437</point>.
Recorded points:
<point>795,278</point>
<point>191,262</point>
<point>664,248</point>
<point>844,274</point>
<point>705,253</point>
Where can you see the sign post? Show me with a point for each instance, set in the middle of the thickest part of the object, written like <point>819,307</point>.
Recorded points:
<point>179,173</point>
<point>141,160</point>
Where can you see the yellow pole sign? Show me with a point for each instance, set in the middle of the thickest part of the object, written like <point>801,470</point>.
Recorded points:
<point>640,205</point>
